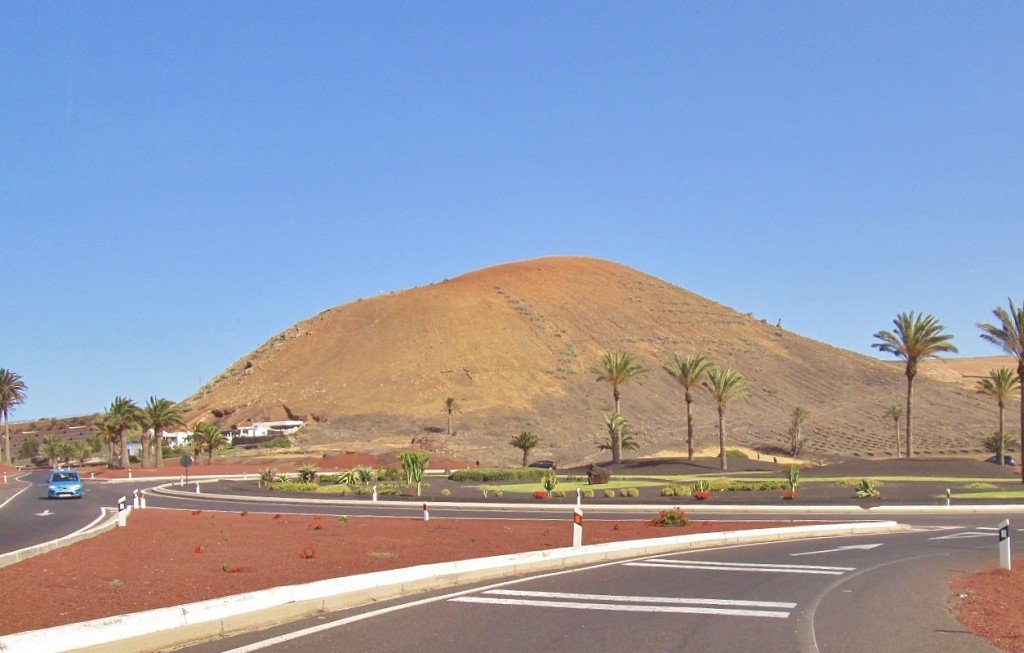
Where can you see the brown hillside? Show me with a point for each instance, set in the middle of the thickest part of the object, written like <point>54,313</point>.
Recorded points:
<point>515,344</point>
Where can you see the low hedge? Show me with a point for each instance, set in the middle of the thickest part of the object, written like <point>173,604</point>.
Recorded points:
<point>491,474</point>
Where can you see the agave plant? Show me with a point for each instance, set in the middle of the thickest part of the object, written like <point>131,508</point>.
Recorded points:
<point>866,489</point>
<point>307,474</point>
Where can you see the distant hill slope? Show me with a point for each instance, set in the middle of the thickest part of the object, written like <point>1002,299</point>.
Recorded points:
<point>515,344</point>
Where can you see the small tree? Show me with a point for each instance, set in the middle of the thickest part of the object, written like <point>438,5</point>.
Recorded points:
<point>413,465</point>
<point>451,406</point>
<point>796,440</point>
<point>525,441</point>
<point>895,412</point>
<point>29,448</point>
<point>52,447</point>
<point>998,443</point>
<point>207,437</point>
<point>620,435</point>
<point>724,385</point>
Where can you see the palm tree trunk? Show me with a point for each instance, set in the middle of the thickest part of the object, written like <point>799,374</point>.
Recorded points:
<point>158,445</point>
<point>122,455</point>
<point>144,440</point>
<point>910,421</point>
<point>616,447</point>
<point>897,422</point>
<point>689,427</point>
<point>7,458</point>
<point>1001,453</point>
<point>449,422</point>
<point>721,437</point>
<point>1020,377</point>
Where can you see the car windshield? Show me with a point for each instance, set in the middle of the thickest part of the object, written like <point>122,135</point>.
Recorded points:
<point>66,476</point>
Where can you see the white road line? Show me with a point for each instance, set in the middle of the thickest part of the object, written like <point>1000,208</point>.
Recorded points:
<point>963,536</point>
<point>743,566</point>
<point>672,609</point>
<point>642,599</point>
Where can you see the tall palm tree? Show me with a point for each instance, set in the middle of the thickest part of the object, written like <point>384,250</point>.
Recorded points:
<point>1001,384</point>
<point>451,406</point>
<point>1008,335</point>
<point>525,441</point>
<point>122,416</point>
<point>106,433</point>
<point>12,393</point>
<point>159,415</point>
<point>618,369</point>
<point>207,437</point>
<point>689,371</point>
<point>895,412</point>
<point>916,338</point>
<point>724,385</point>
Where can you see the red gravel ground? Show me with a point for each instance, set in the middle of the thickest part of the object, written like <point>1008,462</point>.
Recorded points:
<point>989,604</point>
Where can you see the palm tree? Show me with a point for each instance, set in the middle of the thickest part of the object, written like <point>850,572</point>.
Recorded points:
<point>916,338</point>
<point>895,412</point>
<point>207,437</point>
<point>796,440</point>
<point>12,393</point>
<point>525,441</point>
<point>159,415</point>
<point>724,385</point>
<point>1008,335</point>
<point>689,371</point>
<point>106,432</point>
<point>52,447</point>
<point>619,436</point>
<point>122,416</point>
<point>618,369</point>
<point>451,406</point>
<point>1001,384</point>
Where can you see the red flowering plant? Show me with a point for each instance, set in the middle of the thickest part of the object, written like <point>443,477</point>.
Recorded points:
<point>672,517</point>
<point>540,494</point>
<point>701,490</point>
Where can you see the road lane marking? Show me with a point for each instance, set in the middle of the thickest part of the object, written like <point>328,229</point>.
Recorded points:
<point>963,536</point>
<point>851,547</point>
<point>743,566</point>
<point>642,599</point>
<point>623,607</point>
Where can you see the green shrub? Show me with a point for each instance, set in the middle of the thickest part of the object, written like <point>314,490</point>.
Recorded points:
<point>498,494</point>
<point>307,473</point>
<point>279,442</point>
<point>494,474</point>
<point>668,492</point>
<point>609,494</point>
<point>549,482</point>
<point>557,493</point>
<point>390,474</point>
<point>293,486</point>
<point>267,476</point>
<point>588,493</point>
<point>333,489</point>
<point>866,489</point>
<point>447,493</point>
<point>735,453</point>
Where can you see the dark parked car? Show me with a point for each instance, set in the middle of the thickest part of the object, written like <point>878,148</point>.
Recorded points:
<point>64,483</point>
<point>1007,460</point>
<point>545,464</point>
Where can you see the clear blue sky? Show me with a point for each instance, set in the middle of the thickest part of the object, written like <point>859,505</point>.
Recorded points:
<point>181,181</point>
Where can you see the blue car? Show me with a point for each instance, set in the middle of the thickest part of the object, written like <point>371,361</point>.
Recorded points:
<point>64,483</point>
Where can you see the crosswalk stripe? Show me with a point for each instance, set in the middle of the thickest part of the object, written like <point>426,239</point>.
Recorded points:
<point>620,607</point>
<point>642,599</point>
<point>742,566</point>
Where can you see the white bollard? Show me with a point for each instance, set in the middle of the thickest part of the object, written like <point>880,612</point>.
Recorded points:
<point>5,478</point>
<point>579,497</point>
<point>577,527</point>
<point>374,492</point>
<point>122,512</point>
<point>197,488</point>
<point>135,499</point>
<point>426,513</point>
<point>949,495</point>
<point>181,483</point>
<point>142,499</point>
<point>1004,544</point>
<point>129,473</point>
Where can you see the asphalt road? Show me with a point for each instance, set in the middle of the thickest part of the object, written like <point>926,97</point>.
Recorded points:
<point>806,596</point>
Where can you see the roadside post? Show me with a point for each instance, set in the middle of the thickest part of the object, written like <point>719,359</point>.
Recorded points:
<point>426,513</point>
<point>579,496</point>
<point>197,487</point>
<point>577,527</point>
<point>122,512</point>
<point>1004,544</point>
<point>142,499</point>
<point>949,495</point>
<point>375,493</point>
<point>135,499</point>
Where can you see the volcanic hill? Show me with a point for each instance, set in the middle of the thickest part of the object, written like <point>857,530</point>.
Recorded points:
<point>515,345</point>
